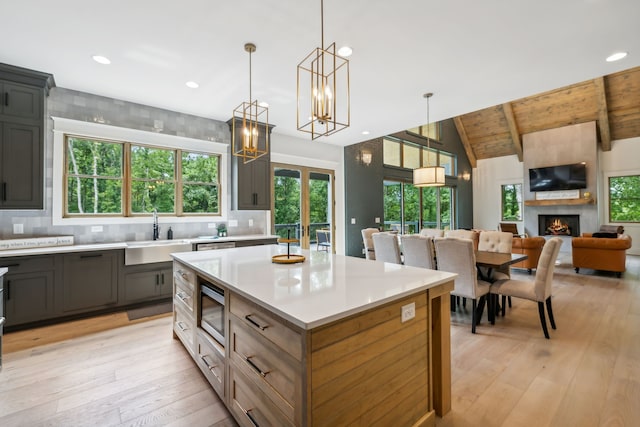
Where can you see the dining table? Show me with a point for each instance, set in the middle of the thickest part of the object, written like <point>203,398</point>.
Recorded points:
<point>493,261</point>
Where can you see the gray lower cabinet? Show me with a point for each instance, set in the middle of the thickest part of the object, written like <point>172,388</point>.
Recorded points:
<point>29,289</point>
<point>90,280</point>
<point>147,282</point>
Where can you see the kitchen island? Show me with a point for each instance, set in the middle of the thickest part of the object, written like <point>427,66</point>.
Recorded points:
<point>334,340</point>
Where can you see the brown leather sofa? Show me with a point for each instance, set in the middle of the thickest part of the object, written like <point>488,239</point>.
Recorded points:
<point>600,253</point>
<point>530,246</point>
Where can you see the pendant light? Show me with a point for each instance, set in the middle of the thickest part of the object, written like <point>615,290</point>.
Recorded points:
<point>322,90</point>
<point>252,119</point>
<point>428,176</point>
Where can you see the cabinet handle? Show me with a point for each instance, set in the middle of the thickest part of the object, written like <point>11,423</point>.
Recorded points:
<point>182,297</point>
<point>182,327</point>
<point>210,366</point>
<point>254,323</point>
<point>90,256</point>
<point>183,274</point>
<point>162,279</point>
<point>255,367</point>
<point>4,191</point>
<point>11,265</point>
<point>253,421</point>
<point>255,199</point>
<point>8,290</point>
<point>6,99</point>
<point>157,279</point>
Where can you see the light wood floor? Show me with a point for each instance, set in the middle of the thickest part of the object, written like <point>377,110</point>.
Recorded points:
<point>115,372</point>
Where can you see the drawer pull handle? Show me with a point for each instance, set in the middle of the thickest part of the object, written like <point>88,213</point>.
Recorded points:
<point>253,421</point>
<point>11,265</point>
<point>90,256</point>
<point>254,323</point>
<point>210,366</point>
<point>183,297</point>
<point>183,274</point>
<point>182,327</point>
<point>255,367</point>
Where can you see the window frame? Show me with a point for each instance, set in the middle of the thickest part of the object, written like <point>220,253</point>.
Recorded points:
<point>424,157</point>
<point>89,130</point>
<point>608,178</point>
<point>520,202</point>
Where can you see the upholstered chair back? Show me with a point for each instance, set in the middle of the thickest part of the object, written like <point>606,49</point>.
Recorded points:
<point>464,234</point>
<point>545,268</point>
<point>495,241</point>
<point>431,232</point>
<point>418,251</point>
<point>387,247</point>
<point>457,256</point>
<point>367,234</point>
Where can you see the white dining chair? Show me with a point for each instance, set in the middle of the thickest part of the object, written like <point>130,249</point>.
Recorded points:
<point>367,239</point>
<point>538,290</point>
<point>431,232</point>
<point>497,241</point>
<point>458,256</point>
<point>387,247</point>
<point>418,251</point>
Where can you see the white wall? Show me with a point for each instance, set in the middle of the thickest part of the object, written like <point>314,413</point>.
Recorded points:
<point>304,152</point>
<point>488,177</point>
<point>490,174</point>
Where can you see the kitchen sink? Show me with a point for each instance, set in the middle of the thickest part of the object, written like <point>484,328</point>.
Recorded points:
<point>149,251</point>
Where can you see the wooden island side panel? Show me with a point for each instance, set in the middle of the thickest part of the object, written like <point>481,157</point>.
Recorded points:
<point>372,369</point>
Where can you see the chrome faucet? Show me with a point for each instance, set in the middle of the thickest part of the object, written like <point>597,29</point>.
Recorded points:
<point>156,228</point>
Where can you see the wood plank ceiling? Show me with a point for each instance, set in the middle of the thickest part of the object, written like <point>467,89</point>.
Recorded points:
<point>612,101</point>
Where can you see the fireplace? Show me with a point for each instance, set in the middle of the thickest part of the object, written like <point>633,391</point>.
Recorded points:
<point>559,225</point>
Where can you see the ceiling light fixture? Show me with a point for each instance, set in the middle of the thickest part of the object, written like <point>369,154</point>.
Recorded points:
<point>101,59</point>
<point>428,176</point>
<point>616,56</point>
<point>345,51</point>
<point>192,85</point>
<point>249,115</point>
<point>323,90</point>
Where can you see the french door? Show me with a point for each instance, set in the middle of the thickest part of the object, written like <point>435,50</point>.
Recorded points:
<point>302,203</point>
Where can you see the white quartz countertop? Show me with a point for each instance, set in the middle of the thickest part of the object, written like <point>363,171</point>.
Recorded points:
<point>48,250</point>
<point>322,289</point>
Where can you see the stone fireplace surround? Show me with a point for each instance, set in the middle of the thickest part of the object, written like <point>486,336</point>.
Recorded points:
<point>561,146</point>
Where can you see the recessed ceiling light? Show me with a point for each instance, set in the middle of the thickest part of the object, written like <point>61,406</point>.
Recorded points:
<point>263,104</point>
<point>345,51</point>
<point>192,85</point>
<point>365,132</point>
<point>616,56</point>
<point>101,59</point>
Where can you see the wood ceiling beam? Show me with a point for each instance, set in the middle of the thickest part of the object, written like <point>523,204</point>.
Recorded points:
<point>603,114</point>
<point>465,141</point>
<point>513,129</point>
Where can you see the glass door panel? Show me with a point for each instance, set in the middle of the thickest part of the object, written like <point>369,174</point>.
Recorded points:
<point>287,209</point>
<point>430,207</point>
<point>411,209</point>
<point>446,211</point>
<point>392,205</point>
<point>319,202</point>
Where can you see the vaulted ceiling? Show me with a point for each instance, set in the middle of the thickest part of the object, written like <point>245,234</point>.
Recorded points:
<point>612,101</point>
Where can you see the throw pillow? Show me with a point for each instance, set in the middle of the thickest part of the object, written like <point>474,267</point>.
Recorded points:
<point>605,235</point>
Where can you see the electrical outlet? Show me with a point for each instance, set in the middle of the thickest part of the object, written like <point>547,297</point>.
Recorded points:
<point>18,228</point>
<point>97,229</point>
<point>408,312</point>
<point>250,223</point>
<point>353,220</point>
<point>377,220</point>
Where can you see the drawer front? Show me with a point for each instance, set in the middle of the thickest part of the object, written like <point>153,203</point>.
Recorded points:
<point>28,264</point>
<point>250,406</point>
<point>184,275</point>
<point>184,327</point>
<point>267,325</point>
<point>184,296</point>
<point>210,358</point>
<point>266,365</point>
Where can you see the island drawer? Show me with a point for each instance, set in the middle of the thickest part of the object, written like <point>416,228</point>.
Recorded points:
<point>276,372</point>
<point>184,327</point>
<point>210,358</point>
<point>183,296</point>
<point>250,404</point>
<point>184,275</point>
<point>267,325</point>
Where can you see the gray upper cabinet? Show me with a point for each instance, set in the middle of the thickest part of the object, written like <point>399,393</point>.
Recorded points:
<point>22,107</point>
<point>89,280</point>
<point>251,181</point>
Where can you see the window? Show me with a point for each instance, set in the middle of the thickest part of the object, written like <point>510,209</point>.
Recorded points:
<point>98,183</point>
<point>624,198</point>
<point>432,130</point>
<point>94,177</point>
<point>391,152</point>
<point>407,208</point>
<point>512,202</point>
<point>407,155</point>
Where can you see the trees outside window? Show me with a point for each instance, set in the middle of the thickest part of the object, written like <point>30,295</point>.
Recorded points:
<point>512,202</point>
<point>624,198</point>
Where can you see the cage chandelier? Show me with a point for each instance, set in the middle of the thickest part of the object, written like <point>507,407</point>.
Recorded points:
<point>428,176</point>
<point>250,116</point>
<point>323,90</point>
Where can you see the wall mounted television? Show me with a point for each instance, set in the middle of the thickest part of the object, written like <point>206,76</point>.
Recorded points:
<point>554,178</point>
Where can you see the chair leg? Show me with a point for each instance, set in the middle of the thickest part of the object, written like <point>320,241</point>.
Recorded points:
<point>550,311</point>
<point>453,303</point>
<point>473,318</point>
<point>491,315</point>
<point>504,305</point>
<point>509,299</point>
<point>577,269</point>
<point>543,320</point>
<point>464,302</point>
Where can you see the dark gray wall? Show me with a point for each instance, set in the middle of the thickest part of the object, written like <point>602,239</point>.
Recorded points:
<point>363,184</point>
